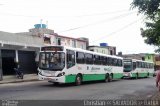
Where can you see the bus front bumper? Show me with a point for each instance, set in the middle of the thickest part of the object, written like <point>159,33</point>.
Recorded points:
<point>52,79</point>
<point>127,75</point>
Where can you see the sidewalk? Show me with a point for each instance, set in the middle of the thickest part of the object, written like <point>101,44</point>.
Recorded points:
<point>13,79</point>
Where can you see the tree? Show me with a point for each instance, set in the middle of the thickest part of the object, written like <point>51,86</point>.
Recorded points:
<point>150,8</point>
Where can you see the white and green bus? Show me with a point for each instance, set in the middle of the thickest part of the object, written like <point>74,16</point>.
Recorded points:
<point>137,68</point>
<point>59,64</point>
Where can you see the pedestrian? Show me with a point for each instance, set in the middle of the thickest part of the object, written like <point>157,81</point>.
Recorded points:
<point>158,79</point>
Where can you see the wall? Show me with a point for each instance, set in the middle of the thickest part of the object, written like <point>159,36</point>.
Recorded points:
<point>149,57</point>
<point>66,41</point>
<point>100,50</point>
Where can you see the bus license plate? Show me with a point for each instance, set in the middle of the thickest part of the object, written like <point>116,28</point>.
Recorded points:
<point>47,78</point>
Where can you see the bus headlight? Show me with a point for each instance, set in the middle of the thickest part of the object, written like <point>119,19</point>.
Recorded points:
<point>61,74</point>
<point>40,72</point>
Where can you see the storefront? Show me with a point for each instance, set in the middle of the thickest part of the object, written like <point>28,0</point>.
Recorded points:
<point>18,49</point>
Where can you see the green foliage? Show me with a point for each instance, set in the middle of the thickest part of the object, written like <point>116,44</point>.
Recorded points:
<point>152,33</point>
<point>150,8</point>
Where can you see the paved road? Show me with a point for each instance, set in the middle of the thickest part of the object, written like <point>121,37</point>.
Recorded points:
<point>42,90</point>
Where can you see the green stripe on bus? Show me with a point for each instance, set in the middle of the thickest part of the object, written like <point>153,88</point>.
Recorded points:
<point>151,74</point>
<point>91,77</point>
<point>70,78</point>
<point>117,75</point>
<point>142,74</point>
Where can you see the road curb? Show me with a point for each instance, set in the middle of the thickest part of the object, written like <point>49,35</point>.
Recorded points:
<point>18,81</point>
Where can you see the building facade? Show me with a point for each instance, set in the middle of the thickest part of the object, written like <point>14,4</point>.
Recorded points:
<point>105,49</point>
<point>55,39</point>
<point>133,56</point>
<point>157,62</point>
<point>18,49</point>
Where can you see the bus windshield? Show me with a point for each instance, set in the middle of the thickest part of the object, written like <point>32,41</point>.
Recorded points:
<point>127,66</point>
<point>53,61</point>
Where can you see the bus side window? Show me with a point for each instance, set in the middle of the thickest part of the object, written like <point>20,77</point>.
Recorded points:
<point>134,65</point>
<point>119,62</point>
<point>80,58</point>
<point>70,58</point>
<point>109,61</point>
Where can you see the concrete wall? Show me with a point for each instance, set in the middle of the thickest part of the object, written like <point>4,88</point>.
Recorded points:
<point>66,41</point>
<point>17,39</point>
<point>100,50</point>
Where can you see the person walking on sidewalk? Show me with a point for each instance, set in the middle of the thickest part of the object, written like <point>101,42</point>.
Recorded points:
<point>158,79</point>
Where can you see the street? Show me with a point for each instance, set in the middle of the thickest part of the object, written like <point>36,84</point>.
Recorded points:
<point>41,90</point>
<point>40,93</point>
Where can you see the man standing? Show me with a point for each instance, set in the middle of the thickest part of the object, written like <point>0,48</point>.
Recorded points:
<point>158,80</point>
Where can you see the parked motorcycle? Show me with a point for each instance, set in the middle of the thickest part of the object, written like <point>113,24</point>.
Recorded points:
<point>19,73</point>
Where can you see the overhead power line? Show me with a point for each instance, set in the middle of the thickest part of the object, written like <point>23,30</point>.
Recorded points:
<point>100,14</point>
<point>99,22</point>
<point>85,15</point>
<point>119,30</point>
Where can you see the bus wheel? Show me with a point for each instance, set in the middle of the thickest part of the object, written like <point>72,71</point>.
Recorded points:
<point>148,75</point>
<point>106,78</point>
<point>78,80</point>
<point>136,76</point>
<point>55,83</point>
<point>110,77</point>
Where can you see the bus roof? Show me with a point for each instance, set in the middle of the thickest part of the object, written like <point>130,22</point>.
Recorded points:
<point>135,60</point>
<point>86,51</point>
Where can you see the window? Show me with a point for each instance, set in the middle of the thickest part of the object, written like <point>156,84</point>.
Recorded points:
<point>147,65</point>
<point>111,52</point>
<point>80,58</point>
<point>109,62</point>
<point>97,60</point>
<point>119,62</point>
<point>114,62</point>
<point>74,43</point>
<point>143,65</point>
<point>47,40</point>
<point>151,65</point>
<point>70,58</point>
<point>89,58</point>
<point>58,41</point>
<point>134,65</point>
<point>139,64</point>
<point>103,60</point>
<point>53,61</point>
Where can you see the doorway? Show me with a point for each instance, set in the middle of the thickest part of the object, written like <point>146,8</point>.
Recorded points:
<point>8,65</point>
<point>8,61</point>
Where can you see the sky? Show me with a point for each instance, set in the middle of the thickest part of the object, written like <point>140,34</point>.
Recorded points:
<point>102,21</point>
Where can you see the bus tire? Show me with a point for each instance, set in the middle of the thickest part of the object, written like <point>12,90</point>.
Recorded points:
<point>136,76</point>
<point>78,80</point>
<point>110,78</point>
<point>106,77</point>
<point>148,75</point>
<point>55,83</point>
